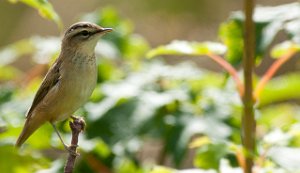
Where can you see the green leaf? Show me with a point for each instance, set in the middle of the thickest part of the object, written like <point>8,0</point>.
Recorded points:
<point>11,160</point>
<point>188,48</point>
<point>126,165</point>
<point>268,22</point>
<point>231,35</point>
<point>278,115</point>
<point>6,93</point>
<point>209,156</point>
<point>282,48</point>
<point>160,169</point>
<point>282,88</point>
<point>45,9</point>
<point>8,73</point>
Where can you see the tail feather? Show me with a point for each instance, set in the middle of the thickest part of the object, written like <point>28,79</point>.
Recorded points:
<point>31,125</point>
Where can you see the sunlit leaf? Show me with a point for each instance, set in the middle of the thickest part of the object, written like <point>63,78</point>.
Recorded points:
<point>8,73</point>
<point>159,169</point>
<point>196,171</point>
<point>231,35</point>
<point>286,157</point>
<point>268,22</point>
<point>277,137</point>
<point>292,27</point>
<point>278,115</point>
<point>198,142</point>
<point>188,48</point>
<point>126,165</point>
<point>45,9</point>
<point>283,48</point>
<point>209,156</point>
<point>137,47</point>
<point>286,87</point>
<point>102,149</point>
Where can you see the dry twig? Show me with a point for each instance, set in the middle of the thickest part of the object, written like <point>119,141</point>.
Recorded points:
<point>77,125</point>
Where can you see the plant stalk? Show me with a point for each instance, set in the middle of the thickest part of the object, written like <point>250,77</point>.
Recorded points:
<point>248,119</point>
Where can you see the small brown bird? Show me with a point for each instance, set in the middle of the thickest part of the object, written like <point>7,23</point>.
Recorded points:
<point>69,82</point>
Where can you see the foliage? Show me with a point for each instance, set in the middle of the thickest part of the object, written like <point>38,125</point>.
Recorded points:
<point>140,102</point>
<point>44,8</point>
<point>269,21</point>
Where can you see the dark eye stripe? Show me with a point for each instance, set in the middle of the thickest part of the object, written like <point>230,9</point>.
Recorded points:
<point>83,33</point>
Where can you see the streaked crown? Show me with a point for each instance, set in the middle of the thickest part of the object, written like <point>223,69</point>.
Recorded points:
<point>85,31</point>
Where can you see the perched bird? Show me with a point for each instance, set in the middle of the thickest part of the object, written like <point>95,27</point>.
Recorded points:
<point>69,82</point>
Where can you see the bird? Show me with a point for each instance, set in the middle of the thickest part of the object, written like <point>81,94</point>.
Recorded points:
<point>68,83</point>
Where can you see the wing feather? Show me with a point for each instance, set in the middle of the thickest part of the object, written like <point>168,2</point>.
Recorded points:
<point>50,80</point>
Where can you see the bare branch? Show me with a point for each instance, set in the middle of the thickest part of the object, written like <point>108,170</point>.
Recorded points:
<point>77,125</point>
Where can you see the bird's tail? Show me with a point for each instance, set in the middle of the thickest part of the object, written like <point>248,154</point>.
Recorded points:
<point>31,125</point>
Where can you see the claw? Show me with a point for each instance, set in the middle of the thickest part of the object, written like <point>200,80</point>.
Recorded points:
<point>68,148</point>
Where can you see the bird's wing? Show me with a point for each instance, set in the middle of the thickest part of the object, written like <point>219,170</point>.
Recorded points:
<point>51,78</point>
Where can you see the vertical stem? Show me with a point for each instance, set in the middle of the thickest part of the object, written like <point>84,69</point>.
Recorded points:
<point>248,119</point>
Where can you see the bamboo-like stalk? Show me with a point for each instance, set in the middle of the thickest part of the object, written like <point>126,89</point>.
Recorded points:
<point>248,119</point>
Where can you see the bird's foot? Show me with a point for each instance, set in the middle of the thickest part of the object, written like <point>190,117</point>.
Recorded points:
<point>71,150</point>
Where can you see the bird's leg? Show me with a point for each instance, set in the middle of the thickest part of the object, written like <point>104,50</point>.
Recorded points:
<point>64,144</point>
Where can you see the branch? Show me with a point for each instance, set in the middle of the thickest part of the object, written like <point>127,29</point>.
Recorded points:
<point>271,71</point>
<point>77,125</point>
<point>230,70</point>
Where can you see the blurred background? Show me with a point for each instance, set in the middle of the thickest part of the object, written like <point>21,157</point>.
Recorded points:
<point>158,21</point>
<point>171,111</point>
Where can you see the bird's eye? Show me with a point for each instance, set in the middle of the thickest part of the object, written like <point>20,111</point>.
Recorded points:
<point>85,33</point>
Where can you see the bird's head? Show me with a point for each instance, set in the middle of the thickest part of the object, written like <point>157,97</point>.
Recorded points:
<point>83,36</point>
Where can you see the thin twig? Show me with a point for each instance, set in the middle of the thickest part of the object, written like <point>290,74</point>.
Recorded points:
<point>230,69</point>
<point>271,71</point>
<point>77,125</point>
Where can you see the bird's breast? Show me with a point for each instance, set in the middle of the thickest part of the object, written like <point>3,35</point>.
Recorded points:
<point>77,82</point>
<point>81,76</point>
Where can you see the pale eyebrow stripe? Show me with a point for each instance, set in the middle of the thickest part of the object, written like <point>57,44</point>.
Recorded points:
<point>79,26</point>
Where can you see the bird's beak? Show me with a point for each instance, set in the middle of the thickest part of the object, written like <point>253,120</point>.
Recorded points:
<point>107,30</point>
<point>104,30</point>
